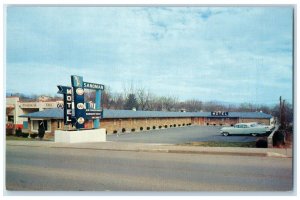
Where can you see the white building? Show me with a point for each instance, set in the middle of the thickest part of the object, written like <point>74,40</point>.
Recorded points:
<point>15,108</point>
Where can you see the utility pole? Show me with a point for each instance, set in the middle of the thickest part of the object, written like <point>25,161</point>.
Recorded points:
<point>283,114</point>
<point>280,111</point>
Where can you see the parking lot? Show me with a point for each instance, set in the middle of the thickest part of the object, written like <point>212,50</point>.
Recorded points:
<point>180,135</point>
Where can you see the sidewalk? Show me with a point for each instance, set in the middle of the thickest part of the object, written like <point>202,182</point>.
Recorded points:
<point>164,148</point>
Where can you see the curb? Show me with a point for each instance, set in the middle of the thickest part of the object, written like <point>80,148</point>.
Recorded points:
<point>206,152</point>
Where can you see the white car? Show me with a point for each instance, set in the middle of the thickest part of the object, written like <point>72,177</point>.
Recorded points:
<point>269,128</point>
<point>244,128</point>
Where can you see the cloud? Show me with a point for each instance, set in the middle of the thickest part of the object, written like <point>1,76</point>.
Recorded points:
<point>231,53</point>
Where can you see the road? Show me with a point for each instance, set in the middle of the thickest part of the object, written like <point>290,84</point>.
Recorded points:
<point>68,169</point>
<point>180,135</point>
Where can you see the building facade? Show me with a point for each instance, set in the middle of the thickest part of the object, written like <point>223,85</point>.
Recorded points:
<point>120,121</point>
<point>15,108</point>
<point>29,115</point>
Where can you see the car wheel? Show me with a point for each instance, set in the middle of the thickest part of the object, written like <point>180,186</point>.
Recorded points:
<point>225,134</point>
<point>254,134</point>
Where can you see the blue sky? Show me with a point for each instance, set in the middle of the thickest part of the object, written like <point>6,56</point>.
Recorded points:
<point>230,54</point>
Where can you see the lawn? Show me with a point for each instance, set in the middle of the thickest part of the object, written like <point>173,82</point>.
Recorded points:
<point>222,144</point>
<point>13,137</point>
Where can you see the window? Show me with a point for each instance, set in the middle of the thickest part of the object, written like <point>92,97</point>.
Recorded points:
<point>10,119</point>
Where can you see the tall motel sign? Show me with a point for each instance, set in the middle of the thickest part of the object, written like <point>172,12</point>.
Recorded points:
<point>76,111</point>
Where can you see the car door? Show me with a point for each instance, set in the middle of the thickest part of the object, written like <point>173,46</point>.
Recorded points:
<point>247,129</point>
<point>236,129</point>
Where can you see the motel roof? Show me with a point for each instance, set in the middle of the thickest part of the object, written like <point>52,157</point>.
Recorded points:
<point>57,113</point>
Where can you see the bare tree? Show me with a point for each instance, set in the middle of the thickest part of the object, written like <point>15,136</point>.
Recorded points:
<point>118,101</point>
<point>107,100</point>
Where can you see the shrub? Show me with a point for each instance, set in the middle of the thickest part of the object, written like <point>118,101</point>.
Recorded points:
<point>141,128</point>
<point>261,143</point>
<point>34,135</point>
<point>179,124</point>
<point>183,124</point>
<point>207,124</point>
<point>166,126</point>
<point>278,138</point>
<point>148,128</point>
<point>171,125</point>
<point>25,135</point>
<point>154,127</point>
<point>9,131</point>
<point>159,126</point>
<point>115,131</point>
<point>123,130</point>
<point>174,125</point>
<point>19,132</point>
<point>132,130</point>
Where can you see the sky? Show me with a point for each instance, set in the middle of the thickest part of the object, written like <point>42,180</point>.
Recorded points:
<point>226,54</point>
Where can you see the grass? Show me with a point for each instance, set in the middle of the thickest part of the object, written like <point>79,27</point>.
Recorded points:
<point>221,144</point>
<point>13,137</point>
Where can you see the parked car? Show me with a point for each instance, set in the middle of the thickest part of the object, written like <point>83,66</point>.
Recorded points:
<point>244,128</point>
<point>269,128</point>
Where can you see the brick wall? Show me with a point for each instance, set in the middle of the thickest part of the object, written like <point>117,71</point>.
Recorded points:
<point>264,121</point>
<point>204,121</point>
<point>142,124</point>
<point>135,125</point>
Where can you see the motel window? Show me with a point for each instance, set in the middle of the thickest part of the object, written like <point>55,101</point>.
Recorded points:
<point>10,119</point>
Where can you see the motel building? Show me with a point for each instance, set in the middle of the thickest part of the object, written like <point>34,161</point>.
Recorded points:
<point>28,115</point>
<point>15,108</point>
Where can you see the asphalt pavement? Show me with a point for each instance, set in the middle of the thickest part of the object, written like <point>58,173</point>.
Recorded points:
<point>180,135</point>
<point>82,167</point>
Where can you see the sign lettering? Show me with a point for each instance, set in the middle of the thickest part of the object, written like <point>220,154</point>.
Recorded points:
<point>93,86</point>
<point>219,113</point>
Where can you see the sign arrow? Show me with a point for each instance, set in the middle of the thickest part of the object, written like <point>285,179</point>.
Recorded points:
<point>63,89</point>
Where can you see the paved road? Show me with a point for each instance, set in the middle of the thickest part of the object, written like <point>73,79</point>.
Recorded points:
<point>57,169</point>
<point>180,135</point>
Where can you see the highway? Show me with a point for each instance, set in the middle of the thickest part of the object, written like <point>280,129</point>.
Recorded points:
<point>69,169</point>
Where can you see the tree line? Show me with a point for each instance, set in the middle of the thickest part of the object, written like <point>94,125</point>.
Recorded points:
<point>143,99</point>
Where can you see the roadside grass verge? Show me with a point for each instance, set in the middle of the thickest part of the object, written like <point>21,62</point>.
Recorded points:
<point>12,137</point>
<point>221,144</point>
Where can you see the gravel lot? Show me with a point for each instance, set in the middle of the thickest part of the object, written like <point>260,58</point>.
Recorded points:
<point>179,135</point>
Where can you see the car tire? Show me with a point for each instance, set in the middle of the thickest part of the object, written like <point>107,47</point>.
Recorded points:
<point>225,134</point>
<point>254,134</point>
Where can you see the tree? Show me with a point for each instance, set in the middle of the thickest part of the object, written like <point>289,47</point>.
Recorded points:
<point>107,100</point>
<point>193,105</point>
<point>118,101</point>
<point>131,102</point>
<point>143,98</point>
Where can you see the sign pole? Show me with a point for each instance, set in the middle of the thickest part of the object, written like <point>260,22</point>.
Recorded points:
<point>98,103</point>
